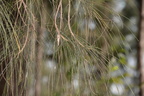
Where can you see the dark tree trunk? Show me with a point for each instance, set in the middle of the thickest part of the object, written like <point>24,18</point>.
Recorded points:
<point>141,47</point>
<point>2,75</point>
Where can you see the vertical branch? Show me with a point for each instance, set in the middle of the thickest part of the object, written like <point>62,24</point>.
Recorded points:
<point>141,48</point>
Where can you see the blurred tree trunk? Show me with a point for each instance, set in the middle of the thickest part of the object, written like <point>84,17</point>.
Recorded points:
<point>39,56</point>
<point>141,47</point>
<point>39,60</point>
<point>41,28</point>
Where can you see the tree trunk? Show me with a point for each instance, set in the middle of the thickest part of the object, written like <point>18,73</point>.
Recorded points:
<point>39,60</point>
<point>39,49</point>
<point>141,47</point>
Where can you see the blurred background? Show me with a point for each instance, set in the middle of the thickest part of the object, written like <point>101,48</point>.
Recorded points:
<point>123,75</point>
